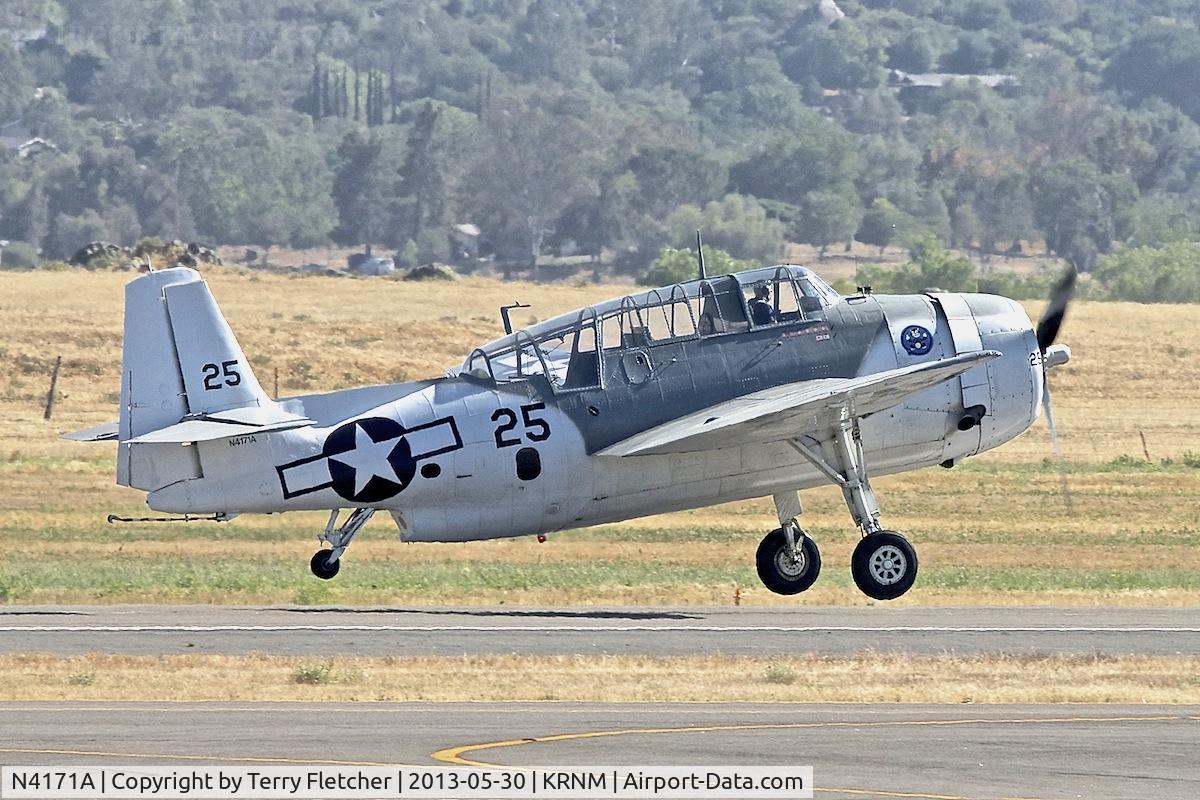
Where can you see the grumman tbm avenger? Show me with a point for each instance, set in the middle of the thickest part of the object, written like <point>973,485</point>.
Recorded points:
<point>764,382</point>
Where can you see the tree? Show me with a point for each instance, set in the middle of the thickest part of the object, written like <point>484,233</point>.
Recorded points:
<point>736,224</point>
<point>553,40</point>
<point>440,143</point>
<point>1162,61</point>
<point>882,224</point>
<point>1152,275</point>
<point>1159,219</point>
<point>1082,211</point>
<point>239,177</point>
<point>913,52</point>
<point>973,55</point>
<point>819,157</point>
<point>16,90</point>
<point>363,188</point>
<point>541,154</point>
<point>1003,212</point>
<point>842,56</point>
<point>671,175</point>
<point>677,265</point>
<point>827,217</point>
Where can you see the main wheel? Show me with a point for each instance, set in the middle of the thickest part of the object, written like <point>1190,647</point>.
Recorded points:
<point>322,567</point>
<point>884,565</point>
<point>779,571</point>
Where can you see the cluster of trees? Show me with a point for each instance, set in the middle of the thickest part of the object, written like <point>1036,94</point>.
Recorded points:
<point>605,127</point>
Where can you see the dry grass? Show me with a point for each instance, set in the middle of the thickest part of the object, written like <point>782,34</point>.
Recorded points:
<point>860,679</point>
<point>1133,541</point>
<point>1135,366</point>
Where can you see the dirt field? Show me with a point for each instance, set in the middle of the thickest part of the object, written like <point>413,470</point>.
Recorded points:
<point>992,530</point>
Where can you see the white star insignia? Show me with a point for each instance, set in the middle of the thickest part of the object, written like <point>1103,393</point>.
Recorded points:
<point>368,459</point>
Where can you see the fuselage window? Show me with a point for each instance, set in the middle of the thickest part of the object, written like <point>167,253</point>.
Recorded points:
<point>772,302</point>
<point>583,371</point>
<point>529,464</point>
<point>812,301</point>
<point>623,330</point>
<point>669,321</point>
<point>723,309</point>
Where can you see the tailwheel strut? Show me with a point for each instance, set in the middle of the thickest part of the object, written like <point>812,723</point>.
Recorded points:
<point>326,563</point>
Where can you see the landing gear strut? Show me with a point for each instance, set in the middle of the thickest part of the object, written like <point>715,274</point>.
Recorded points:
<point>884,564</point>
<point>788,560</point>
<point>326,563</point>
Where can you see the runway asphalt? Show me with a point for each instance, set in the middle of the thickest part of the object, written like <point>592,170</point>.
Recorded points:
<point>918,751</point>
<point>310,631</point>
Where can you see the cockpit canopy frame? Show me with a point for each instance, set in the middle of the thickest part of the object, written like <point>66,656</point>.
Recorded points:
<point>568,349</point>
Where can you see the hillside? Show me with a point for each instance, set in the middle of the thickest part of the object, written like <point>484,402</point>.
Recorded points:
<point>527,130</point>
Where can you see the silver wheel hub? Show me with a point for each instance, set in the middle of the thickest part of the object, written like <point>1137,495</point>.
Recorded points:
<point>887,565</point>
<point>789,567</point>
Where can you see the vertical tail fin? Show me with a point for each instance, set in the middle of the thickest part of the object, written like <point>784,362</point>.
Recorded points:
<point>180,361</point>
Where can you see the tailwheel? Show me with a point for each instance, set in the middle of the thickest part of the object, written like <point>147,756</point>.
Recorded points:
<point>884,565</point>
<point>785,568</point>
<point>326,563</point>
<point>322,566</point>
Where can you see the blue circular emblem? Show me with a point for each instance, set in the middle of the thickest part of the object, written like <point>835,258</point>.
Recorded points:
<point>916,341</point>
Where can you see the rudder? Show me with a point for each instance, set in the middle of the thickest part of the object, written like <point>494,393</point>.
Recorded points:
<point>179,360</point>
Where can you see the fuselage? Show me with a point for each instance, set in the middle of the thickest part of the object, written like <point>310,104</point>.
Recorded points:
<point>506,445</point>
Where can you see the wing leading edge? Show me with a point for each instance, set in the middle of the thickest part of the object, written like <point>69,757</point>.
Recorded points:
<point>783,412</point>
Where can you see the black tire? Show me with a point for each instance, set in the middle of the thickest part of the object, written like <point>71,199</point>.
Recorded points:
<point>884,565</point>
<point>321,566</point>
<point>776,569</point>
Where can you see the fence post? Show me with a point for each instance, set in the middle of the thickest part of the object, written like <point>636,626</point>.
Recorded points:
<point>53,389</point>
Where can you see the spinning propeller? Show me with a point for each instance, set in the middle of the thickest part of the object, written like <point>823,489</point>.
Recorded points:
<point>1052,356</point>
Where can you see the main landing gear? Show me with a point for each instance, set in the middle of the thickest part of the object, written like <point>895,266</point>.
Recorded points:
<point>326,563</point>
<point>884,564</point>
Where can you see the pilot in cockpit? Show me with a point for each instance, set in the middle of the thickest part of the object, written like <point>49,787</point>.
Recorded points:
<point>761,311</point>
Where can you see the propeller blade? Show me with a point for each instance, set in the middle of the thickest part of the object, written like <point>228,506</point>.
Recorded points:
<point>1052,317</point>
<point>1058,453</point>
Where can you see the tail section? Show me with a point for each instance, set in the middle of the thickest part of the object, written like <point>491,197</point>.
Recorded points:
<point>216,375</point>
<point>184,379</point>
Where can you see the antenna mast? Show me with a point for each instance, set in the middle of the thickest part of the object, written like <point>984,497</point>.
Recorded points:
<point>700,255</point>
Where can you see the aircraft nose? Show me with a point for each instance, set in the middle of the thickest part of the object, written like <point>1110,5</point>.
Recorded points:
<point>995,314</point>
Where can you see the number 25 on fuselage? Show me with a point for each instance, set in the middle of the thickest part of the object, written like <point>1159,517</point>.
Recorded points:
<point>760,383</point>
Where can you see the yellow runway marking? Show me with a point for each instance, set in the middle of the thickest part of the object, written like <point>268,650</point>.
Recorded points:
<point>220,759</point>
<point>455,755</point>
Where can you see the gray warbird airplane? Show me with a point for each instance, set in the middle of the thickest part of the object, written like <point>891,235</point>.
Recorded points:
<point>761,383</point>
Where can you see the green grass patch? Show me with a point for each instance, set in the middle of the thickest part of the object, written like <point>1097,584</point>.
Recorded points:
<point>114,579</point>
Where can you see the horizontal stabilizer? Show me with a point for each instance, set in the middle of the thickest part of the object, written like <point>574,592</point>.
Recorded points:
<point>96,433</point>
<point>221,426</point>
<point>793,409</point>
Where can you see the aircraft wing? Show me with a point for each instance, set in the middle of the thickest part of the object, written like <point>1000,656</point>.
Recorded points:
<point>793,409</point>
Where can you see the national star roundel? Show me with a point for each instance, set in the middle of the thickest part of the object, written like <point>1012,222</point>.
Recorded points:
<point>916,340</point>
<point>369,459</point>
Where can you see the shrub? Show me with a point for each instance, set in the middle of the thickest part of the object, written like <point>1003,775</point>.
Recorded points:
<point>781,674</point>
<point>84,677</point>
<point>313,674</point>
<point>1166,274</point>
<point>679,265</point>
<point>19,255</point>
<point>930,265</point>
